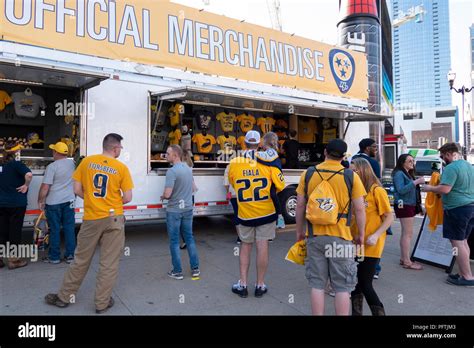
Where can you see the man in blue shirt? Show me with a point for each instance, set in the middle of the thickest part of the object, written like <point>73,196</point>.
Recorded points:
<point>457,188</point>
<point>368,150</point>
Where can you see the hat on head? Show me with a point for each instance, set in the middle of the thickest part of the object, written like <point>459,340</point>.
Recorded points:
<point>252,137</point>
<point>337,148</point>
<point>60,147</point>
<point>364,143</point>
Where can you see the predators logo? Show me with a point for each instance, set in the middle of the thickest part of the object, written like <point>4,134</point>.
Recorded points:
<point>326,204</point>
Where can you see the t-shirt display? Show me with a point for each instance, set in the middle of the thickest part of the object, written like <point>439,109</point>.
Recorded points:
<point>307,129</point>
<point>204,142</point>
<point>28,105</point>
<point>173,113</point>
<point>247,122</point>
<point>203,118</point>
<point>227,144</point>
<point>329,134</point>
<point>241,142</point>
<point>227,121</point>
<point>186,142</point>
<point>174,137</point>
<point>266,124</point>
<point>5,99</point>
<point>159,140</point>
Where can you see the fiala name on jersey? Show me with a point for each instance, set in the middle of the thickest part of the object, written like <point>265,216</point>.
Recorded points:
<point>326,204</point>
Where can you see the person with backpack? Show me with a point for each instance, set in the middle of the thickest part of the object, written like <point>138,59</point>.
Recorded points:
<point>326,196</point>
<point>379,217</point>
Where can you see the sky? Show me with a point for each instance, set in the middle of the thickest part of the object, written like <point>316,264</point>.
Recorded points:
<point>317,20</point>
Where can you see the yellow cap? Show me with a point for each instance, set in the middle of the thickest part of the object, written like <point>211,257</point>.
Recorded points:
<point>60,147</point>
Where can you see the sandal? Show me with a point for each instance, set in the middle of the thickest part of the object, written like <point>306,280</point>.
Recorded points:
<point>412,265</point>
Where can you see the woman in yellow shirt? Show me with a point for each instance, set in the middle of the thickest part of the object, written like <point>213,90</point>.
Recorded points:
<point>379,217</point>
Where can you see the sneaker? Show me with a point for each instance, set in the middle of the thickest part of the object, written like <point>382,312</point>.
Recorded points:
<point>281,222</point>
<point>454,276</point>
<point>238,241</point>
<point>110,305</point>
<point>240,290</point>
<point>376,275</point>
<point>175,275</point>
<point>48,260</point>
<point>260,290</point>
<point>69,259</point>
<point>53,299</point>
<point>461,281</point>
<point>195,273</point>
<point>182,246</point>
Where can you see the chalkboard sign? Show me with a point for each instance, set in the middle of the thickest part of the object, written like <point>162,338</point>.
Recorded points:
<point>431,248</point>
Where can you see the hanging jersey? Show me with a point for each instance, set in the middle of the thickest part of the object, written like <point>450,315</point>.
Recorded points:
<point>328,135</point>
<point>266,124</point>
<point>252,182</point>
<point>246,122</point>
<point>226,144</point>
<point>204,142</point>
<point>307,129</point>
<point>103,180</point>
<point>173,112</point>
<point>160,139</point>
<point>4,100</point>
<point>226,120</point>
<point>174,137</point>
<point>186,142</point>
<point>203,119</point>
<point>241,142</point>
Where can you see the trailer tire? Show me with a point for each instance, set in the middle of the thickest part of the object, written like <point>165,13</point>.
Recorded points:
<point>288,204</point>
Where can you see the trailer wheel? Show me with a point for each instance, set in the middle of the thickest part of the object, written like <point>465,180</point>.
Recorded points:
<point>288,204</point>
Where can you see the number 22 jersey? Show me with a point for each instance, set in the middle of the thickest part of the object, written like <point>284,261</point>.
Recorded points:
<point>252,182</point>
<point>103,180</point>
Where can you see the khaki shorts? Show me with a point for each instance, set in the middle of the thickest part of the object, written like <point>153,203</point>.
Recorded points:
<point>322,265</point>
<point>248,234</point>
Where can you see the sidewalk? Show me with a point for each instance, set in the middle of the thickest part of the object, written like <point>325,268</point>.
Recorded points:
<point>144,288</point>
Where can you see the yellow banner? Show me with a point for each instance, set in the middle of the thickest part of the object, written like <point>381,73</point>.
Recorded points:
<point>162,33</point>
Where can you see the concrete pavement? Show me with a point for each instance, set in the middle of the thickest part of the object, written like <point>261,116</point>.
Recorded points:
<point>143,287</point>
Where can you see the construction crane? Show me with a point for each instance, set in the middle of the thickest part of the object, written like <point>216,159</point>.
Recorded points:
<point>414,13</point>
<point>275,14</point>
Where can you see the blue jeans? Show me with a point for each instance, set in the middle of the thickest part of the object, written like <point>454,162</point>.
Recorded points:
<point>61,215</point>
<point>181,224</point>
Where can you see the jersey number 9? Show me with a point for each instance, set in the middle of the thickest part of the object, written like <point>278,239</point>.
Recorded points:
<point>100,185</point>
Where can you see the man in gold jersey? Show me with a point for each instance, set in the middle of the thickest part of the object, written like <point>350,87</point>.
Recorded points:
<point>105,185</point>
<point>254,182</point>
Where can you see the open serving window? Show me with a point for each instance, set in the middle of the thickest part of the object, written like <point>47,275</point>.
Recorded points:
<point>210,124</point>
<point>41,105</point>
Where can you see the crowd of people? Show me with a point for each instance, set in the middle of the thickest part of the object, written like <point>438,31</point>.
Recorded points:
<point>339,204</point>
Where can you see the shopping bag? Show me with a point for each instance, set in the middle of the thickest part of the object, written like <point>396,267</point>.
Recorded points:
<point>297,253</point>
<point>41,232</point>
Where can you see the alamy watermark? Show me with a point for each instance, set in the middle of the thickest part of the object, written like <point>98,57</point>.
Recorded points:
<point>75,109</point>
<point>23,251</point>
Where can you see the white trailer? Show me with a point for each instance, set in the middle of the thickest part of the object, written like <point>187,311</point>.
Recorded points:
<point>103,80</point>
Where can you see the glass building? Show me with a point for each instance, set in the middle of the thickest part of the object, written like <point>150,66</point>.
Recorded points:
<point>421,54</point>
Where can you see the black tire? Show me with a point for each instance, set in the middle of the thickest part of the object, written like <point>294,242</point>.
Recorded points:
<point>288,204</point>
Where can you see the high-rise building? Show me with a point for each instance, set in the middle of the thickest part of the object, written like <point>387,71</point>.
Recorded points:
<point>421,55</point>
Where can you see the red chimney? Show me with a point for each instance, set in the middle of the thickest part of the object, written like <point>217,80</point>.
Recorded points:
<point>357,8</point>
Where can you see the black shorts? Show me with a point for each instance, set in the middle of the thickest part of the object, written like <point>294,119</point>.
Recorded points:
<point>458,223</point>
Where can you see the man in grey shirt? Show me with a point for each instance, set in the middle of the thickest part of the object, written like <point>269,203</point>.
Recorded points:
<point>56,197</point>
<point>179,187</point>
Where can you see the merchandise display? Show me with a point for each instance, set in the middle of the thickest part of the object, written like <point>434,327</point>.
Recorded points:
<point>5,99</point>
<point>329,131</point>
<point>204,142</point>
<point>227,120</point>
<point>307,128</point>
<point>203,118</point>
<point>227,143</point>
<point>174,137</point>
<point>28,104</point>
<point>174,112</point>
<point>266,124</point>
<point>241,142</point>
<point>247,122</point>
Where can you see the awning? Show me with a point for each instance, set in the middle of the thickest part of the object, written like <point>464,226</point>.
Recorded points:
<point>264,102</point>
<point>47,76</point>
